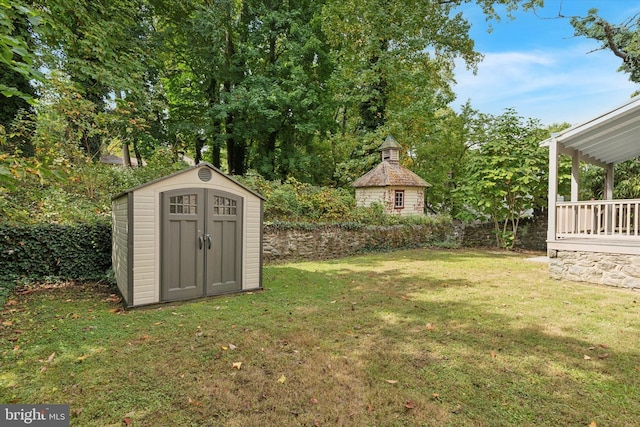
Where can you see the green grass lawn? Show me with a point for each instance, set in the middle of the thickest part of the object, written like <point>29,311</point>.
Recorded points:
<point>420,337</point>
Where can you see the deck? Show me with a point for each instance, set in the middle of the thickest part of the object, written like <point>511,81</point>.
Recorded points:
<point>598,226</point>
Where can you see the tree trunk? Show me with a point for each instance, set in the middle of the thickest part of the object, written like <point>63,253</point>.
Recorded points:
<point>200,140</point>
<point>138,154</point>
<point>126,157</point>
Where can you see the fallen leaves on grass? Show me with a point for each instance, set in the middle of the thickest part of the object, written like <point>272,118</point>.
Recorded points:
<point>282,379</point>
<point>113,298</point>
<point>236,365</point>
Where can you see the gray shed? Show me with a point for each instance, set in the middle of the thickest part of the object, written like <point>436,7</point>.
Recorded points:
<point>191,234</point>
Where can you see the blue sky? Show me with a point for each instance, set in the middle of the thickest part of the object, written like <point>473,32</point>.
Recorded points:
<point>538,67</point>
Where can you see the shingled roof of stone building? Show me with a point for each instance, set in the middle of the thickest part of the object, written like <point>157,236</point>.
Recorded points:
<point>390,174</point>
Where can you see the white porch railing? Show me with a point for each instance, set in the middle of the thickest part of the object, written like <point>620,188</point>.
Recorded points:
<point>598,219</point>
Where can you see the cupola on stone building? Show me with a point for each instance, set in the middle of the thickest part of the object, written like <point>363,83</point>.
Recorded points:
<point>399,190</point>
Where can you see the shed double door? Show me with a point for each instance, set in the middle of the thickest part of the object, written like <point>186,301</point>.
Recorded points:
<point>201,243</point>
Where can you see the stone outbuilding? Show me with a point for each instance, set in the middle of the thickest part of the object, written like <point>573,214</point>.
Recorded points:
<point>399,190</point>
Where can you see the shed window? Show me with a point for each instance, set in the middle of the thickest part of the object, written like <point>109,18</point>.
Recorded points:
<point>186,204</point>
<point>224,206</point>
<point>399,199</point>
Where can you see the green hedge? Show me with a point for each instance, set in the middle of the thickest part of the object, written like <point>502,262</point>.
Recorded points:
<point>52,250</point>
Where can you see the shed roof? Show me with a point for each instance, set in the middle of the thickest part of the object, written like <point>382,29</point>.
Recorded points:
<point>609,138</point>
<point>198,166</point>
<point>390,174</point>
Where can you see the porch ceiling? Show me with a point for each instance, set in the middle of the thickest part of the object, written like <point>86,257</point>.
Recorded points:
<point>610,138</point>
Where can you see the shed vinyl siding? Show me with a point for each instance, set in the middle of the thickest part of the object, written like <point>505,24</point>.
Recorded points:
<point>252,247</point>
<point>120,246</point>
<point>145,275</point>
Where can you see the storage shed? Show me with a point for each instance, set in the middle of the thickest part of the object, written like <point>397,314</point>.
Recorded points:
<point>399,190</point>
<point>194,233</point>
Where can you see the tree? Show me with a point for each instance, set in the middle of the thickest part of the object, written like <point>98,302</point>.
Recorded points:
<point>395,68</point>
<point>17,59</point>
<point>249,79</point>
<point>507,172</point>
<point>623,40</point>
<point>103,46</point>
<point>439,157</point>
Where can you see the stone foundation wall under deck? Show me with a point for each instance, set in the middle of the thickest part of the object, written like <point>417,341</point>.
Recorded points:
<point>619,270</point>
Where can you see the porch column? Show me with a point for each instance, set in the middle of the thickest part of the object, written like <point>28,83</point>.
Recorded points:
<point>553,189</point>
<point>575,176</point>
<point>608,182</point>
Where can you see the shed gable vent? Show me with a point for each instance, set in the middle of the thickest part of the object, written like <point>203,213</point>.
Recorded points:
<point>204,174</point>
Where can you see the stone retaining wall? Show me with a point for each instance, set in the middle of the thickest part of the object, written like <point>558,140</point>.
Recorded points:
<point>595,267</point>
<point>532,234</point>
<point>331,241</point>
<point>312,242</point>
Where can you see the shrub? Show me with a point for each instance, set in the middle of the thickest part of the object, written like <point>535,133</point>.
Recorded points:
<point>52,250</point>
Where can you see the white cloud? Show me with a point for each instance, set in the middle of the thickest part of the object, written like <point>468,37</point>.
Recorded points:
<point>554,85</point>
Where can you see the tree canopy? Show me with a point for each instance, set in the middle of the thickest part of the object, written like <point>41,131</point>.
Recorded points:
<point>623,40</point>
<point>284,90</point>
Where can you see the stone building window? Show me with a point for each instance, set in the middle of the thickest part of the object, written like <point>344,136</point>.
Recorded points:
<point>399,199</point>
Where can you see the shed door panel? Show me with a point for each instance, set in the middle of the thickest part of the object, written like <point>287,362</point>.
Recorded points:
<point>182,269</point>
<point>224,226</point>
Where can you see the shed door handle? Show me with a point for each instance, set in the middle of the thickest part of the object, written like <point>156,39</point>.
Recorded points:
<point>200,242</point>
<point>209,240</point>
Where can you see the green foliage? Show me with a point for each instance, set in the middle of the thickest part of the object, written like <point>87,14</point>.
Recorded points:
<point>623,40</point>
<point>17,58</point>
<point>82,196</point>
<point>44,250</point>
<point>507,172</point>
<point>294,203</point>
<point>626,185</point>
